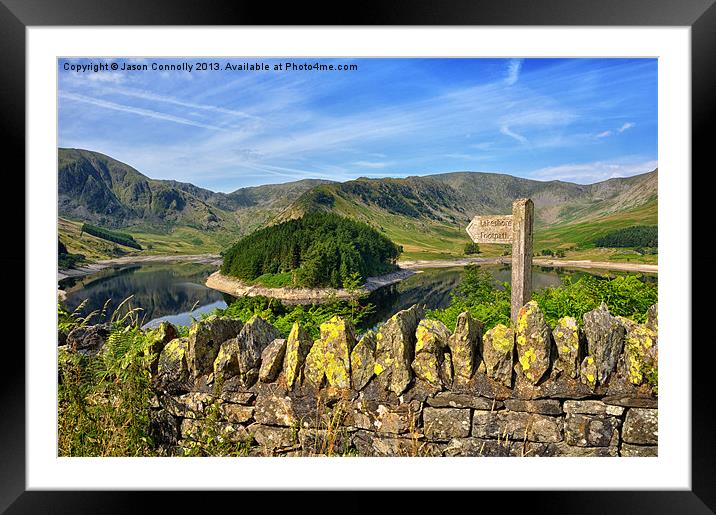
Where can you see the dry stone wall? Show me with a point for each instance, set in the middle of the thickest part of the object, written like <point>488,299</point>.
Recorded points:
<point>413,388</point>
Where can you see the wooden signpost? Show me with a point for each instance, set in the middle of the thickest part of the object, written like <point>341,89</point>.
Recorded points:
<point>514,229</point>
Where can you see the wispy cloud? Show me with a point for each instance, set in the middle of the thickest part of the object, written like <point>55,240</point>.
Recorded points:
<point>588,173</point>
<point>604,134</point>
<point>370,164</point>
<point>137,111</point>
<point>626,126</point>
<point>507,132</point>
<point>513,71</point>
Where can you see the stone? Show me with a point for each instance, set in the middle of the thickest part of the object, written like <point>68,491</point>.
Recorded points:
<point>543,406</point>
<point>431,341</point>
<point>297,347</point>
<point>641,426</point>
<point>463,400</point>
<point>516,426</point>
<point>564,449</point>
<point>338,337</point>
<point>605,340</point>
<point>314,369</point>
<point>158,339</point>
<point>446,369</point>
<point>241,356</point>
<point>172,368</point>
<point>245,398</point>
<point>534,342</point>
<point>363,361</point>
<point>497,354</point>
<point>383,418</point>
<point>591,431</point>
<point>274,438</point>
<point>87,340</point>
<point>640,354</point>
<point>569,341</point>
<point>522,239</point>
<point>651,451</point>
<point>272,360</point>
<point>592,407</point>
<point>189,405</point>
<point>588,372</point>
<point>652,318</point>
<point>205,339</point>
<point>465,344</point>
<point>479,447</point>
<point>369,443</point>
<point>236,413</point>
<point>630,402</point>
<point>446,423</point>
<point>163,428</point>
<point>395,345</point>
<point>275,410</point>
<point>324,442</point>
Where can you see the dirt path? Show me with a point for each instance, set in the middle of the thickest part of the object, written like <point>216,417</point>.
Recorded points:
<point>586,264</point>
<point>91,268</point>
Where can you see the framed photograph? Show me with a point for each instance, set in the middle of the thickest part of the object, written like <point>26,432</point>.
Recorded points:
<point>414,250</point>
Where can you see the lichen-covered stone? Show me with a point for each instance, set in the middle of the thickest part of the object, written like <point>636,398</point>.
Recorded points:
<point>236,413</point>
<point>384,418</point>
<point>568,339</point>
<point>395,346</point>
<point>338,336</point>
<point>542,406</point>
<point>87,340</point>
<point>369,443</point>
<point>591,430</point>
<point>588,371</point>
<point>465,345</point>
<point>446,423</point>
<point>641,426</point>
<point>641,451</point>
<point>605,340</point>
<point>478,447</point>
<point>640,353</point>
<point>163,428</point>
<point>463,400</point>
<point>189,405</point>
<point>497,353</point>
<point>172,367</point>
<point>205,339</point>
<point>275,410</point>
<point>297,346</point>
<point>314,369</point>
<point>157,339</point>
<point>431,341</point>
<point>564,449</point>
<point>592,407</point>
<point>534,342</point>
<point>241,356</point>
<point>272,360</point>
<point>516,426</point>
<point>446,369</point>
<point>652,318</point>
<point>275,438</point>
<point>363,361</point>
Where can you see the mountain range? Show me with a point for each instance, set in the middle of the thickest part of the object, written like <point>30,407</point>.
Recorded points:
<point>425,214</point>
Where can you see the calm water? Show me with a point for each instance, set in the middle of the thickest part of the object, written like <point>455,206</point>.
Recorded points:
<point>175,292</point>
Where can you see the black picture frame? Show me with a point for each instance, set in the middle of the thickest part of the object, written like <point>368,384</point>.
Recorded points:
<point>699,15</point>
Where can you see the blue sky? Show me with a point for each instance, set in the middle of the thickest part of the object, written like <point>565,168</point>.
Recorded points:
<point>578,120</point>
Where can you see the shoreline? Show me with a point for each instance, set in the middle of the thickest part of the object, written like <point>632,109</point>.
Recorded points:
<point>507,260</point>
<point>236,288</point>
<point>64,273</point>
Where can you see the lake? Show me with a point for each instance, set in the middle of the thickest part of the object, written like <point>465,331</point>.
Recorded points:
<point>175,292</point>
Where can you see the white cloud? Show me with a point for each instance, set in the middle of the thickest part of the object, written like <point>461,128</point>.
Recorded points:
<point>507,132</point>
<point>589,173</point>
<point>626,126</point>
<point>604,134</point>
<point>513,71</point>
<point>370,164</point>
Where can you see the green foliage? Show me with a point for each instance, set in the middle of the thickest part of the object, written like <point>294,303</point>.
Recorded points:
<point>635,236</point>
<point>478,294</point>
<point>322,248</point>
<point>117,237</point>
<point>471,248</point>
<point>625,295</point>
<point>547,252</point>
<point>103,400</point>
<point>282,316</point>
